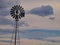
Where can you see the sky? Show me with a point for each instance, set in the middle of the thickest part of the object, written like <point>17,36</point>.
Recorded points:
<point>40,26</point>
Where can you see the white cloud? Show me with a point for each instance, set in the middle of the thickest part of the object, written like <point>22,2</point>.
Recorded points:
<point>54,38</point>
<point>24,41</point>
<point>8,27</point>
<point>37,22</point>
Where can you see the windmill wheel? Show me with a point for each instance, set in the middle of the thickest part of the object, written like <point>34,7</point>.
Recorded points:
<point>17,12</point>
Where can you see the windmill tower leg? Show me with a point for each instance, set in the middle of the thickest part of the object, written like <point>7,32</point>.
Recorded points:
<point>16,26</point>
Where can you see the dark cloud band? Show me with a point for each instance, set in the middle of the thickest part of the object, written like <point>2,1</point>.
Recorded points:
<point>42,11</point>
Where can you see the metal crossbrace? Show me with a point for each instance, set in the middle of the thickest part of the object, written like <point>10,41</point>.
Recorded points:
<point>18,34</point>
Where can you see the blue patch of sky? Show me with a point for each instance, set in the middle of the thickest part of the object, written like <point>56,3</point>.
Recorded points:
<point>34,34</point>
<point>39,34</point>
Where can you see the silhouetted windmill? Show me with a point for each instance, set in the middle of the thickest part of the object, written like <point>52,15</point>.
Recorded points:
<point>17,12</point>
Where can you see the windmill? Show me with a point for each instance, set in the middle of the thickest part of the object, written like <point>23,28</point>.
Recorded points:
<point>17,12</point>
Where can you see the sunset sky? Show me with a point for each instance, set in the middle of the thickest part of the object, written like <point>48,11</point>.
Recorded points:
<point>40,26</point>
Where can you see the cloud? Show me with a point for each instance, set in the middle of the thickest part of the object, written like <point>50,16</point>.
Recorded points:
<point>8,41</point>
<point>7,3</point>
<point>33,33</point>
<point>4,12</point>
<point>52,17</point>
<point>36,34</point>
<point>53,39</point>
<point>2,32</point>
<point>4,21</point>
<point>43,10</point>
<point>5,6</point>
<point>39,34</point>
